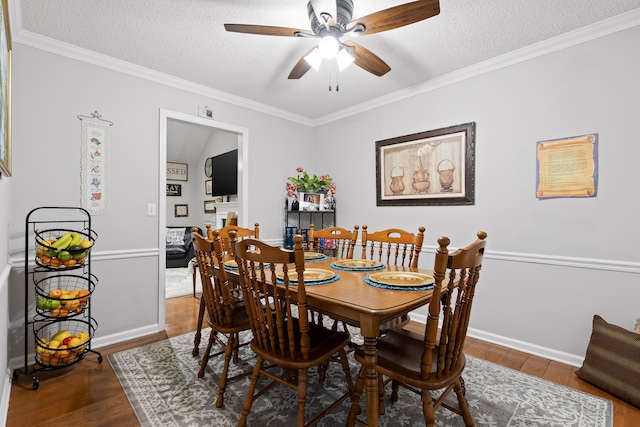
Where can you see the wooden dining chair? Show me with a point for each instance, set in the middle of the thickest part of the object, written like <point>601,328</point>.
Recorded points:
<point>393,246</point>
<point>333,241</point>
<point>241,233</point>
<point>223,232</point>
<point>433,361</point>
<point>226,316</point>
<point>282,333</point>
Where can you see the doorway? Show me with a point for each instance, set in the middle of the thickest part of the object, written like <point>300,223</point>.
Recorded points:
<point>166,119</point>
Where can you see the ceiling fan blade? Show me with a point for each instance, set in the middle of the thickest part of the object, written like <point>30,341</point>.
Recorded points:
<point>301,67</point>
<point>394,17</point>
<point>327,7</point>
<point>367,60</point>
<point>266,30</point>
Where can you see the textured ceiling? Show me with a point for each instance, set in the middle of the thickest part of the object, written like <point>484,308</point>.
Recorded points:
<point>187,39</point>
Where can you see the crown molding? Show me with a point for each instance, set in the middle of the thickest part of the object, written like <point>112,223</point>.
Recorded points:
<point>581,35</point>
<point>90,57</point>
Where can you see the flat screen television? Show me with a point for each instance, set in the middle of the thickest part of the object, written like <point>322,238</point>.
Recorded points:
<point>224,174</point>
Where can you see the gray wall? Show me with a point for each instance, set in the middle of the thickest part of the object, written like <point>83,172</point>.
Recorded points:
<point>551,264</point>
<point>49,92</point>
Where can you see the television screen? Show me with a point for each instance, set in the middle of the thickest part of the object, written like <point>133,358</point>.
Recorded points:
<point>224,174</point>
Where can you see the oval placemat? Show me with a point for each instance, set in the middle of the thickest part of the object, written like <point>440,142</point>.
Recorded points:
<point>314,256</point>
<point>368,281</point>
<point>358,265</point>
<point>312,277</point>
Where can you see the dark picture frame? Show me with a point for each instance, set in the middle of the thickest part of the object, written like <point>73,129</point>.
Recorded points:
<point>181,210</point>
<point>174,189</point>
<point>209,206</point>
<point>432,168</point>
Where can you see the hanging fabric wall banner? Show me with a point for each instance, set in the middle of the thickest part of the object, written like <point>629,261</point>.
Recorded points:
<point>94,170</point>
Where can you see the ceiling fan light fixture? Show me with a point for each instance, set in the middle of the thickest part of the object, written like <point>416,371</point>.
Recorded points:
<point>344,59</point>
<point>314,58</point>
<point>329,47</point>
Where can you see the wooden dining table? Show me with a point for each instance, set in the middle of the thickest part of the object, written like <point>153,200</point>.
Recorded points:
<point>351,300</point>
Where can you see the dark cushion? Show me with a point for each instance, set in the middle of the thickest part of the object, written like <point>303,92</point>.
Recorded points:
<point>612,362</point>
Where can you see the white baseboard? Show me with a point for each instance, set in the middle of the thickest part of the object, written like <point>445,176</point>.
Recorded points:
<point>536,350</point>
<point>6,395</point>
<point>97,343</point>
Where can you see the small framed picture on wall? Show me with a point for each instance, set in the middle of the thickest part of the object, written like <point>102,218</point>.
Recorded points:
<point>174,190</point>
<point>208,187</point>
<point>181,210</point>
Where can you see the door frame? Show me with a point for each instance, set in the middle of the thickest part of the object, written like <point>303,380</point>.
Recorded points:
<point>243,187</point>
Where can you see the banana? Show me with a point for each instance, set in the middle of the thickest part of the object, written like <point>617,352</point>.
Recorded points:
<point>76,239</point>
<point>63,242</point>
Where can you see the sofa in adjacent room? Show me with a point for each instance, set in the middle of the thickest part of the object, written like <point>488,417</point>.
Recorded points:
<point>179,246</point>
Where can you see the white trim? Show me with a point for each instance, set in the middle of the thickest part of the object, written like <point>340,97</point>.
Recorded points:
<point>18,361</point>
<point>243,185</point>
<point>590,32</point>
<point>533,349</point>
<point>90,57</point>
<point>558,261</point>
<point>4,275</point>
<point>581,35</point>
<point>6,397</point>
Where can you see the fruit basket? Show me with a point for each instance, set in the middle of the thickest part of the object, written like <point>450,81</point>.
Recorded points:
<point>60,248</point>
<point>62,343</point>
<point>64,295</point>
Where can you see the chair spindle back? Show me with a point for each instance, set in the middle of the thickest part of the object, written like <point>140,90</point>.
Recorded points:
<point>456,275</point>
<point>393,246</point>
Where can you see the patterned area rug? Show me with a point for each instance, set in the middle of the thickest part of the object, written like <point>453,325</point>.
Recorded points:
<point>179,282</point>
<point>160,380</point>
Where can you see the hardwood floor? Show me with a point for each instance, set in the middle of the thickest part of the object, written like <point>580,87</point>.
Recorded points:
<point>89,394</point>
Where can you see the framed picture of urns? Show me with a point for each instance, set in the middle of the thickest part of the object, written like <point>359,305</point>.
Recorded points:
<point>436,167</point>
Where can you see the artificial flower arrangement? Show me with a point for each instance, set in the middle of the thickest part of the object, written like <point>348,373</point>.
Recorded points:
<point>305,183</point>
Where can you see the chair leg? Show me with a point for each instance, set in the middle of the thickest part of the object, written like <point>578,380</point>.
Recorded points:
<point>462,403</point>
<point>222,385</point>
<point>381,410</point>
<point>395,386</point>
<point>345,368</point>
<point>428,410</point>
<point>248,401</point>
<point>205,357</point>
<point>196,340</point>
<point>236,349</point>
<point>322,371</point>
<point>195,270</point>
<point>302,395</point>
<point>355,399</point>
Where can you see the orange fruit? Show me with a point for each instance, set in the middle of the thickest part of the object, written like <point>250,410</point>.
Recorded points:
<point>45,259</point>
<point>55,262</point>
<point>55,293</point>
<point>83,295</point>
<point>70,262</point>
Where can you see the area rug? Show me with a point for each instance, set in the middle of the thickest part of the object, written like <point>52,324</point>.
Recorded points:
<point>179,282</point>
<point>160,380</point>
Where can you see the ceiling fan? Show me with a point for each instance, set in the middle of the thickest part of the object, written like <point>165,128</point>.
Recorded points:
<point>332,19</point>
